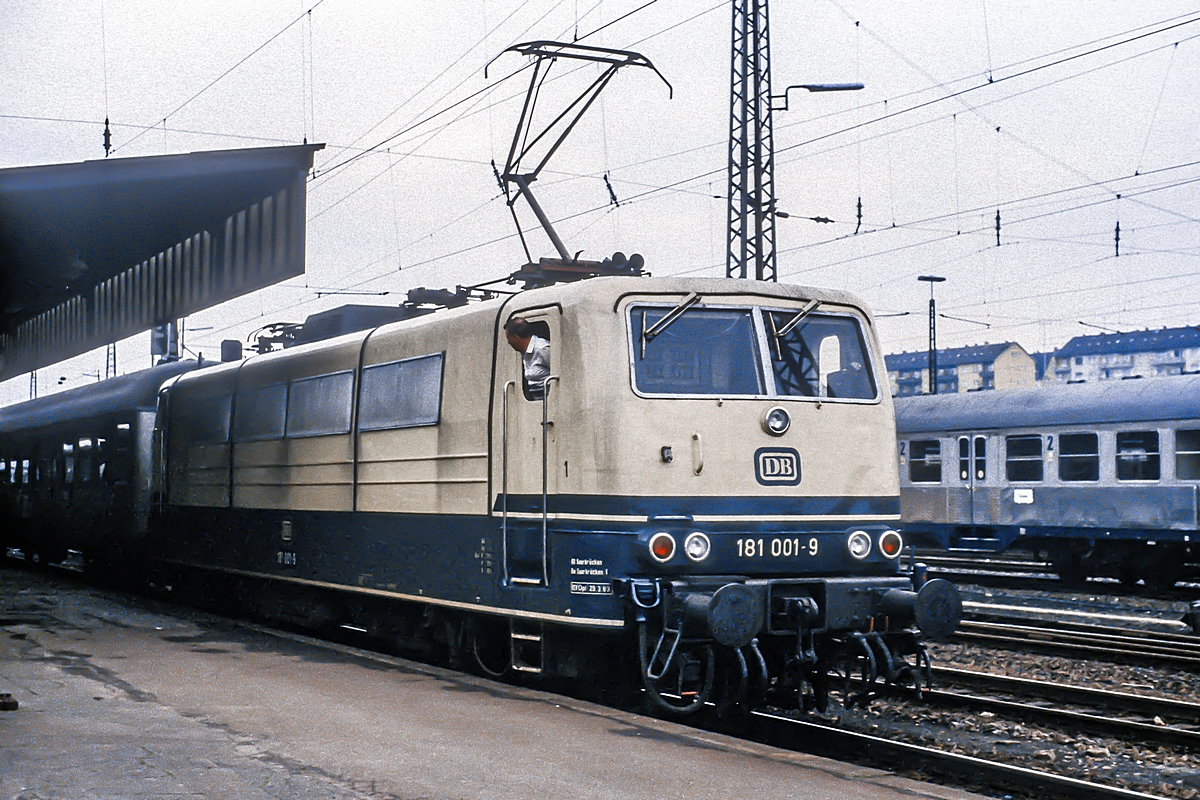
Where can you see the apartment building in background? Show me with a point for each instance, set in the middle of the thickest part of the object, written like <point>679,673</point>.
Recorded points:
<point>1136,354</point>
<point>1006,365</point>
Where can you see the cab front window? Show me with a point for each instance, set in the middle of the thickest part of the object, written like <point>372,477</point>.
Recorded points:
<point>700,351</point>
<point>818,356</point>
<point>693,349</point>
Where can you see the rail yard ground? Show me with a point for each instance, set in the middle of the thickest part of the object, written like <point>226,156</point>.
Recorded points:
<point>1158,754</point>
<point>123,697</point>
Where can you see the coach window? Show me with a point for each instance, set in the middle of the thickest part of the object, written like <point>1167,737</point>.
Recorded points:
<point>86,460</point>
<point>925,461</point>
<point>1078,457</point>
<point>69,463</point>
<point>320,406</point>
<point>1023,459</point>
<point>1137,456</point>
<point>1187,455</point>
<point>260,413</point>
<point>401,394</point>
<point>101,459</point>
<point>980,457</point>
<point>964,458</point>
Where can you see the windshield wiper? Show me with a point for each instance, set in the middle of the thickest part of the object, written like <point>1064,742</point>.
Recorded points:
<point>776,335</point>
<point>672,315</point>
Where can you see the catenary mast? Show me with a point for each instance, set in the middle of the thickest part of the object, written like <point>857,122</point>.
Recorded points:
<point>751,235</point>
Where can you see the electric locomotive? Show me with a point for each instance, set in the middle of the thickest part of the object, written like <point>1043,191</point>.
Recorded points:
<point>1101,478</point>
<point>703,487</point>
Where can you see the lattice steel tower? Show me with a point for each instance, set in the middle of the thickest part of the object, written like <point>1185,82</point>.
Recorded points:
<point>751,235</point>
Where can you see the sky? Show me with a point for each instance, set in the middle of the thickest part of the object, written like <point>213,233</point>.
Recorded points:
<point>1068,118</point>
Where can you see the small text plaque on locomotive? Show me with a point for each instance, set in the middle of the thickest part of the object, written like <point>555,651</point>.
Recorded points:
<point>589,576</point>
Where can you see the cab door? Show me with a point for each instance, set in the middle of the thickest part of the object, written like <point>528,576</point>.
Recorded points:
<point>525,476</point>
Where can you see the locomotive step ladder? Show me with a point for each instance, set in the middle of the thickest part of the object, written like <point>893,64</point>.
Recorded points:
<point>526,650</point>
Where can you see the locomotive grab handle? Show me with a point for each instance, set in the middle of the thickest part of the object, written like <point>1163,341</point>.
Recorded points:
<point>545,400</point>
<point>504,479</point>
<point>697,454</point>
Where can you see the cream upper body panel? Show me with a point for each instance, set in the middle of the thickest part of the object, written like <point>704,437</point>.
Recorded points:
<point>462,424</point>
<point>609,437</point>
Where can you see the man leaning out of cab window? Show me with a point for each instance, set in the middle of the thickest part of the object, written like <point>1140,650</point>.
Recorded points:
<point>534,350</point>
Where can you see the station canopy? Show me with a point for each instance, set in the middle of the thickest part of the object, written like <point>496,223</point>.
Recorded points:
<point>100,250</point>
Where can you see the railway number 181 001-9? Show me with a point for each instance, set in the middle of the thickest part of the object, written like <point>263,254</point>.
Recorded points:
<point>757,548</point>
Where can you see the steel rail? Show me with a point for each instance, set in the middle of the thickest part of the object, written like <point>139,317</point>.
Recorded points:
<point>1016,573</point>
<point>1150,641</point>
<point>784,732</point>
<point>1065,692</point>
<point>989,564</point>
<point>1124,729</point>
<point>1079,650</point>
<point>1048,641</point>
<point>1189,641</point>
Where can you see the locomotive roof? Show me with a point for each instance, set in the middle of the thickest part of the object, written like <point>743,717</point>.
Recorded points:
<point>1145,400</point>
<point>122,393</point>
<point>618,287</point>
<point>599,291</point>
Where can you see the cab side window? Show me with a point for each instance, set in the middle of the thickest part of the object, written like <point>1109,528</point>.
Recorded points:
<point>534,389</point>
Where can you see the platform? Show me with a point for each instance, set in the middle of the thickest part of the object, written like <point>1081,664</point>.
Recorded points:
<point>119,699</point>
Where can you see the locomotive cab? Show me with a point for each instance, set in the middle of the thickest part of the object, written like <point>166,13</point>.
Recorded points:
<point>718,460</point>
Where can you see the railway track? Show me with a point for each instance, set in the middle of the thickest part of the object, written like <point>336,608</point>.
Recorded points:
<point>1184,730</point>
<point>1015,572</point>
<point>1077,640</point>
<point>825,739</point>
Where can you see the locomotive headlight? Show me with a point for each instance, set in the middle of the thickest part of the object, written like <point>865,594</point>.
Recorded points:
<point>697,546</point>
<point>776,421</point>
<point>890,544</point>
<point>662,547</point>
<point>859,544</point>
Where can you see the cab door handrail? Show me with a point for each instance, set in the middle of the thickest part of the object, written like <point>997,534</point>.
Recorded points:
<point>545,474</point>
<point>504,479</point>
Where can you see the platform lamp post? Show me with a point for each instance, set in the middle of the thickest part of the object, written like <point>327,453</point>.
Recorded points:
<point>933,380</point>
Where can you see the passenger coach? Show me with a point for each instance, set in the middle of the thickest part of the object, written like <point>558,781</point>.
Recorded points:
<point>1102,478</point>
<point>75,467</point>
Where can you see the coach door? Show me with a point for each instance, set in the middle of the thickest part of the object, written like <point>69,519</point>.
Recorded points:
<point>972,472</point>
<point>525,475</point>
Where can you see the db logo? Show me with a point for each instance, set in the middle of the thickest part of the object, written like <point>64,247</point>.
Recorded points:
<point>777,466</point>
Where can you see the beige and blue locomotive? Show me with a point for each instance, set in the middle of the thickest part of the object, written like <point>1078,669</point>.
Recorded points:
<point>701,492</point>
